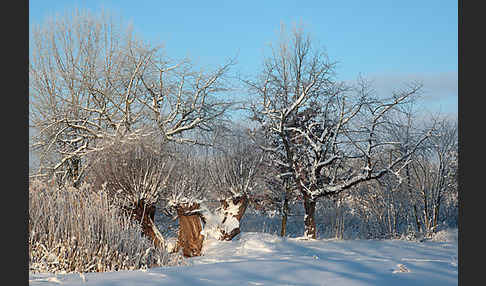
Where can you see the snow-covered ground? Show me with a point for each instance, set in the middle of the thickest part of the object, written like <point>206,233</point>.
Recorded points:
<point>264,259</point>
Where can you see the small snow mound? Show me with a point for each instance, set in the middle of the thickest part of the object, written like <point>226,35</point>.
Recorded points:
<point>446,235</point>
<point>213,246</point>
<point>260,236</point>
<point>253,242</point>
<point>254,245</point>
<point>303,238</point>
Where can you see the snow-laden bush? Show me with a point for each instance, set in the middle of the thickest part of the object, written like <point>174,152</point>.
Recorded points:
<point>77,230</point>
<point>447,235</point>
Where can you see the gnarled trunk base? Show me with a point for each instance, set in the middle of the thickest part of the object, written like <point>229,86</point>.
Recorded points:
<point>232,208</point>
<point>144,214</point>
<point>190,239</point>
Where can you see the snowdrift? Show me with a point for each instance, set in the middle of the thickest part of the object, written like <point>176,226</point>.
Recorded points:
<point>264,259</point>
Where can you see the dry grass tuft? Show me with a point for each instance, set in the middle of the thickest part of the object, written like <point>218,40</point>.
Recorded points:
<point>78,230</point>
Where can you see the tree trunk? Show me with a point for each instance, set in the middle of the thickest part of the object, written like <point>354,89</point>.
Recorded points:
<point>415,211</point>
<point>285,212</point>
<point>437,209</point>
<point>189,238</point>
<point>339,221</point>
<point>436,216</point>
<point>426,215</point>
<point>417,220</point>
<point>144,214</point>
<point>240,202</point>
<point>309,220</point>
<point>74,170</point>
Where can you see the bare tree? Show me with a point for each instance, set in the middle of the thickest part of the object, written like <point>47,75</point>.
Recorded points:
<point>383,206</point>
<point>434,172</point>
<point>233,176</point>
<point>403,127</point>
<point>91,81</point>
<point>282,191</point>
<point>323,133</point>
<point>181,198</point>
<point>134,175</point>
<point>209,193</point>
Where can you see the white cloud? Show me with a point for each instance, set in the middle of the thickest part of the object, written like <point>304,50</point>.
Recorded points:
<point>436,86</point>
<point>439,92</point>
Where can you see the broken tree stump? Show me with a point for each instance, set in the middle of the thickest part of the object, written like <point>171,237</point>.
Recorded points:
<point>233,209</point>
<point>189,239</point>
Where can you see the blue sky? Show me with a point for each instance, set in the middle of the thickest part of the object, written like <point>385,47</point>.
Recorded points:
<point>390,42</point>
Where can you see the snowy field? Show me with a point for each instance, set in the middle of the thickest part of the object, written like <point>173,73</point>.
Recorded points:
<point>264,259</point>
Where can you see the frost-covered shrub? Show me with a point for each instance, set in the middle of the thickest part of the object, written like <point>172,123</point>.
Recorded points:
<point>131,172</point>
<point>447,234</point>
<point>133,175</point>
<point>77,230</point>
